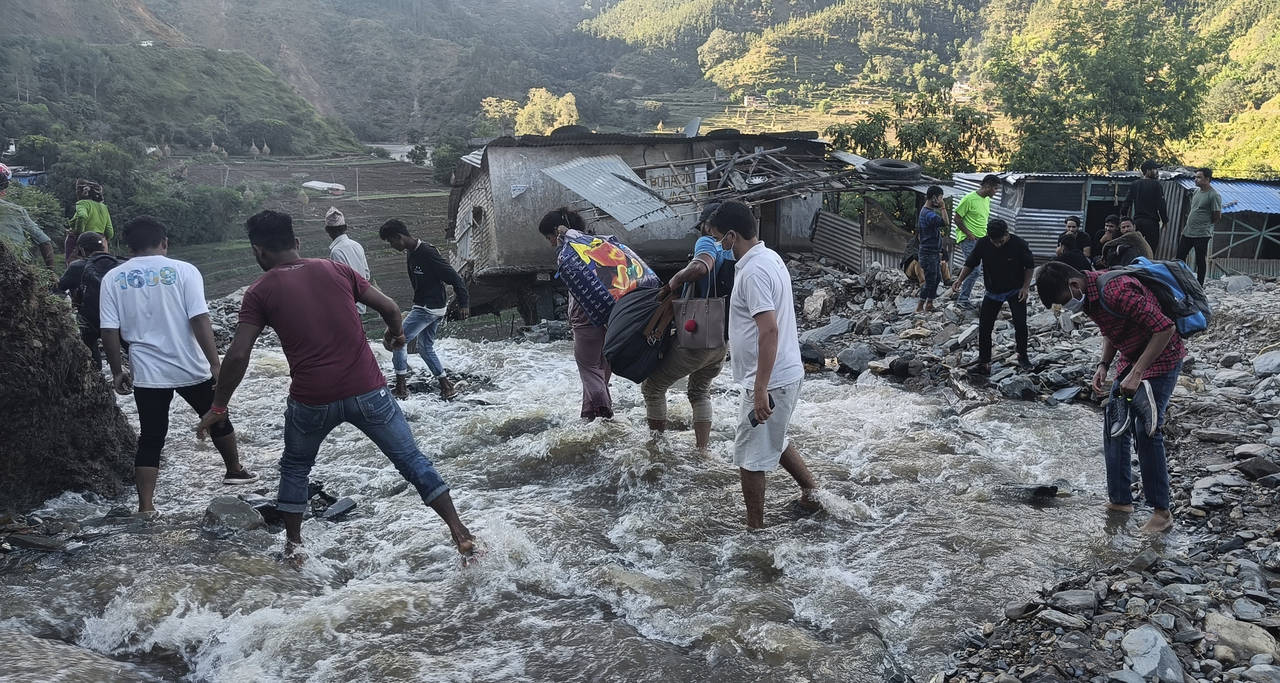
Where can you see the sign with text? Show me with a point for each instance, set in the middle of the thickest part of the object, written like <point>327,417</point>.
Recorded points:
<point>677,184</point>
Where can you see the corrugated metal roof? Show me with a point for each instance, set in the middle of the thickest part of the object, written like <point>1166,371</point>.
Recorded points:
<point>652,139</point>
<point>1243,195</point>
<point>475,158</point>
<point>610,184</point>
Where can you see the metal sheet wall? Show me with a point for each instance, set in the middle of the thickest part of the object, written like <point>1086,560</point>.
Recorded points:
<point>839,239</point>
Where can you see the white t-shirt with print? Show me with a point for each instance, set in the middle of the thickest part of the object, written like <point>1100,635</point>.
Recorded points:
<point>762,283</point>
<point>151,300</point>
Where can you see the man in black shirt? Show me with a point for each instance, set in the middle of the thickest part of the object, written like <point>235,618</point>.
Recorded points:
<point>429,272</point>
<point>1075,247</point>
<point>1146,201</point>
<point>1007,266</point>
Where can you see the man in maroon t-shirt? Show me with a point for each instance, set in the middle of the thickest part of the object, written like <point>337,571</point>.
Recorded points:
<point>311,304</point>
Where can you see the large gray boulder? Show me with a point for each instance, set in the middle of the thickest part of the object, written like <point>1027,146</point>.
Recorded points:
<point>1267,364</point>
<point>1151,655</point>
<point>1246,639</point>
<point>228,513</point>
<point>835,328</point>
<point>855,358</point>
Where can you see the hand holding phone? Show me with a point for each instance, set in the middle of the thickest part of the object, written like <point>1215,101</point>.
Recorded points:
<point>756,422</point>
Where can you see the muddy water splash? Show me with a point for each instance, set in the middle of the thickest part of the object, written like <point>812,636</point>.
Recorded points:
<point>611,555</point>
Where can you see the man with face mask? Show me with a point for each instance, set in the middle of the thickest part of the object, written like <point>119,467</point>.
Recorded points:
<point>1007,265</point>
<point>1134,327</point>
<point>311,304</point>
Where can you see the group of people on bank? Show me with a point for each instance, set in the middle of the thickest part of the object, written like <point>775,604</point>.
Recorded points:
<point>1139,337</point>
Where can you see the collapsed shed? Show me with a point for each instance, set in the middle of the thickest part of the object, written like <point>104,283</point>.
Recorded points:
<point>646,189</point>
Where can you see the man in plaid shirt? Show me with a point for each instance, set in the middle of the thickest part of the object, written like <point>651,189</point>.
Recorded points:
<point>1151,353</point>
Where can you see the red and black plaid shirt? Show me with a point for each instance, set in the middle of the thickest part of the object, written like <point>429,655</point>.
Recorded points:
<point>1138,317</point>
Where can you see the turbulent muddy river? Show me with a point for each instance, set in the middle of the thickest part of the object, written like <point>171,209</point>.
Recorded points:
<point>610,555</point>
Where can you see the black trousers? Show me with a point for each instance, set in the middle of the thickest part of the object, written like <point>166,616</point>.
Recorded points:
<point>1201,245</point>
<point>1150,229</point>
<point>987,315</point>
<point>153,417</point>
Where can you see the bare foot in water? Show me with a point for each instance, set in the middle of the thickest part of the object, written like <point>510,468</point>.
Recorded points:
<point>1117,507</point>
<point>294,556</point>
<point>807,502</point>
<point>1161,520</point>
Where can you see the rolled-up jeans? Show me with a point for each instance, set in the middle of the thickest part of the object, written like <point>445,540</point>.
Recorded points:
<point>931,265</point>
<point>701,367</point>
<point>1151,460</point>
<point>420,324</point>
<point>376,414</point>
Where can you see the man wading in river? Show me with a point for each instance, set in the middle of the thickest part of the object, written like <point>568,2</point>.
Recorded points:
<point>311,304</point>
<point>156,305</point>
<point>1151,353</point>
<point>765,353</point>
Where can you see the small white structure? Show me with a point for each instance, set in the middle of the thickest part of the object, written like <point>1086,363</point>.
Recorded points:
<point>326,188</point>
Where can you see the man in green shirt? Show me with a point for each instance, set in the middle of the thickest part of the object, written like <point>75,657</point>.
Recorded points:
<point>972,214</point>
<point>1206,211</point>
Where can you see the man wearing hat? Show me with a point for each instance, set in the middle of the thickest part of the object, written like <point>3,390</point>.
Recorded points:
<point>345,250</point>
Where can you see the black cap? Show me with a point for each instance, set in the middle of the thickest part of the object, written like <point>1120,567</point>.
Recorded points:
<point>707,210</point>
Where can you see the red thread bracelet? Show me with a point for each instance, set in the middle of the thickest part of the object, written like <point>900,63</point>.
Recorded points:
<point>218,410</point>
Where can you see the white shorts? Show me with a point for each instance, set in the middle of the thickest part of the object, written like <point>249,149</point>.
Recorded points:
<point>758,449</point>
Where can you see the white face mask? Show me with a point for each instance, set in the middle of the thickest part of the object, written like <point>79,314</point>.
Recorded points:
<point>1076,304</point>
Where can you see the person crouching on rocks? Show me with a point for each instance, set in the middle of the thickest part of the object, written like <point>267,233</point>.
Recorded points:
<point>311,304</point>
<point>1151,352</point>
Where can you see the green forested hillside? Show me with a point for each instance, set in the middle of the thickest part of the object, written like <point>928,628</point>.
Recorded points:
<point>156,95</point>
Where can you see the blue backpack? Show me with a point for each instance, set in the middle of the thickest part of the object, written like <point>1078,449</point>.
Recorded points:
<point>1174,285</point>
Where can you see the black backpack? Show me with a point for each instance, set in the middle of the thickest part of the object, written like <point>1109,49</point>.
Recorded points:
<point>639,334</point>
<point>91,285</point>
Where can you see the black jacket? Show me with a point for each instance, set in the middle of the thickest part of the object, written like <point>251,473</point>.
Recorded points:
<point>429,272</point>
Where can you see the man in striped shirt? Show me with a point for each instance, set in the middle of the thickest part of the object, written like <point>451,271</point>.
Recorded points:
<point>1150,354</point>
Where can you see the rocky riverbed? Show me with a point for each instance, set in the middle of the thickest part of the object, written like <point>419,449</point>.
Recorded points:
<point>1206,610</point>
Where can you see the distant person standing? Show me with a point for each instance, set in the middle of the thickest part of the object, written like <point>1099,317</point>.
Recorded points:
<point>1075,246</point>
<point>429,272</point>
<point>20,232</point>
<point>765,353</point>
<point>929,226</point>
<point>83,281</point>
<point>345,250</point>
<point>1007,266</point>
<point>972,216</point>
<point>1135,328</point>
<point>1206,211</point>
<point>1145,203</point>
<point>91,216</point>
<point>156,304</point>
<point>310,303</point>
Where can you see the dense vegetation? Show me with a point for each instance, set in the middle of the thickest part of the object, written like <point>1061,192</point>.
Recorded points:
<point>1066,85</point>
<point>112,113</point>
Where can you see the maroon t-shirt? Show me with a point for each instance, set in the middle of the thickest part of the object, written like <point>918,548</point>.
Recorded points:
<point>311,304</point>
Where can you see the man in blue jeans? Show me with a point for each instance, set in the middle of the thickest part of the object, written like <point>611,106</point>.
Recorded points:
<point>929,231</point>
<point>311,304</point>
<point>429,272</point>
<point>1134,326</point>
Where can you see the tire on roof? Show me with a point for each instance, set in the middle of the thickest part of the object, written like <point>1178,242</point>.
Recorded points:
<point>893,169</point>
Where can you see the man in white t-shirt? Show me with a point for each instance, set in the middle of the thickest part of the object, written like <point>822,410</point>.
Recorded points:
<point>765,352</point>
<point>345,250</point>
<point>156,305</point>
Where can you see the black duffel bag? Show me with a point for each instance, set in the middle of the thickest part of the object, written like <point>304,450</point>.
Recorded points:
<point>639,334</point>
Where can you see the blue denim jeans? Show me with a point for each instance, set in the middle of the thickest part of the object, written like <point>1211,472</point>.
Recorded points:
<point>376,414</point>
<point>420,325</point>
<point>1151,461</point>
<point>931,266</point>
<point>966,288</point>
